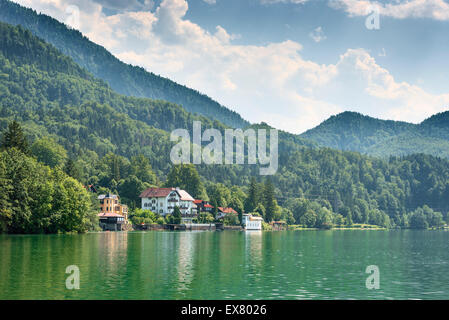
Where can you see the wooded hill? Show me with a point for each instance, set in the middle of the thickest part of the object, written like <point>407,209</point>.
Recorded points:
<point>123,78</point>
<point>116,141</point>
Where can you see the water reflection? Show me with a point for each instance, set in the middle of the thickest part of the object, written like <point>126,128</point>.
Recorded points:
<point>226,265</point>
<point>186,251</point>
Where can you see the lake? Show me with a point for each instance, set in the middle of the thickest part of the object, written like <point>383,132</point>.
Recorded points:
<point>227,265</point>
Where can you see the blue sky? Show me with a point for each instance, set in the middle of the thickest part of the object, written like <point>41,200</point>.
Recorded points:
<point>290,63</point>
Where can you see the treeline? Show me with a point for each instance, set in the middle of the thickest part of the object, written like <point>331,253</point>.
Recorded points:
<point>353,131</point>
<point>77,124</point>
<point>35,198</point>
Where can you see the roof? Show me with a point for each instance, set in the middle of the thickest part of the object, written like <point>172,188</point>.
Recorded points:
<point>156,192</point>
<point>109,215</point>
<point>208,206</point>
<point>109,196</point>
<point>197,201</point>
<point>227,210</point>
<point>164,192</point>
<point>185,196</point>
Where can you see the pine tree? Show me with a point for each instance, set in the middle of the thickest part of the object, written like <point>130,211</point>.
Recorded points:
<point>269,200</point>
<point>69,168</point>
<point>14,137</point>
<point>253,196</point>
<point>177,215</point>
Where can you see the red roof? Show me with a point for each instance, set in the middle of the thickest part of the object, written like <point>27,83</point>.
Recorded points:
<point>198,201</point>
<point>164,192</point>
<point>156,192</point>
<point>208,206</point>
<point>227,210</point>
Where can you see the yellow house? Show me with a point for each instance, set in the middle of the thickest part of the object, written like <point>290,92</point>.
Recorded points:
<point>110,203</point>
<point>113,215</point>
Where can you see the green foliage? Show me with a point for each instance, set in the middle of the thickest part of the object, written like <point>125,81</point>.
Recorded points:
<point>39,199</point>
<point>355,132</point>
<point>425,217</point>
<point>14,137</point>
<point>50,153</point>
<point>124,78</point>
<point>269,200</point>
<point>186,177</point>
<point>122,144</point>
<point>177,216</point>
<point>139,216</point>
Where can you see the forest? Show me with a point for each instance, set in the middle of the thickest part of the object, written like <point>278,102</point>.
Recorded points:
<point>353,131</point>
<point>123,78</point>
<point>81,132</point>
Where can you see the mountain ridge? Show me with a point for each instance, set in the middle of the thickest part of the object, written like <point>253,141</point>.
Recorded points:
<point>353,131</point>
<point>123,78</point>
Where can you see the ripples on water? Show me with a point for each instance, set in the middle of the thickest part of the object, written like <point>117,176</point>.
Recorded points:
<point>227,265</point>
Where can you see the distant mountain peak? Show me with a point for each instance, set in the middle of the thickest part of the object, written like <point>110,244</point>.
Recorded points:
<point>439,120</point>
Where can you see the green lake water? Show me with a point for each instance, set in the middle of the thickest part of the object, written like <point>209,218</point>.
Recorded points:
<point>227,265</point>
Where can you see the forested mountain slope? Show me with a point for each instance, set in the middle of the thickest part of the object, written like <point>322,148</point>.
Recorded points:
<point>356,132</point>
<point>123,78</point>
<point>110,136</point>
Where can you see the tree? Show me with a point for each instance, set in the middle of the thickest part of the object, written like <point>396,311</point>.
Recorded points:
<point>185,176</point>
<point>269,200</point>
<point>308,219</point>
<point>50,153</point>
<point>177,216</point>
<point>253,196</point>
<point>14,137</point>
<point>5,206</point>
<point>141,168</point>
<point>70,169</point>
<point>418,220</point>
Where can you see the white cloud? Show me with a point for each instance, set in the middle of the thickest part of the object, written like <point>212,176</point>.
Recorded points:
<point>399,9</point>
<point>270,83</point>
<point>210,1</point>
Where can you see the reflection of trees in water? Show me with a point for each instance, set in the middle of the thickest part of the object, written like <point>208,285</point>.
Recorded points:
<point>186,250</point>
<point>114,246</point>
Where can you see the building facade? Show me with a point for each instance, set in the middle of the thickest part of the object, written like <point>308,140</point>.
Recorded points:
<point>113,215</point>
<point>164,200</point>
<point>251,222</point>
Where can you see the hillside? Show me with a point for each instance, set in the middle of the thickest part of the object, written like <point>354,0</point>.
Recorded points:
<point>355,132</point>
<point>123,78</point>
<point>115,142</point>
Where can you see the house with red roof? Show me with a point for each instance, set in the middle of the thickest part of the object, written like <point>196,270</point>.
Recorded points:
<point>223,212</point>
<point>164,200</point>
<point>204,206</point>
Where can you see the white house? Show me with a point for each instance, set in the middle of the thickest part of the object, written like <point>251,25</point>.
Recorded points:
<point>164,200</point>
<point>251,222</point>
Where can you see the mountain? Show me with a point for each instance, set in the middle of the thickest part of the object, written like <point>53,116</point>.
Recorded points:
<point>123,78</point>
<point>114,140</point>
<point>356,132</point>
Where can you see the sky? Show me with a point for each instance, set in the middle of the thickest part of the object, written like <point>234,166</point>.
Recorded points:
<point>289,63</point>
